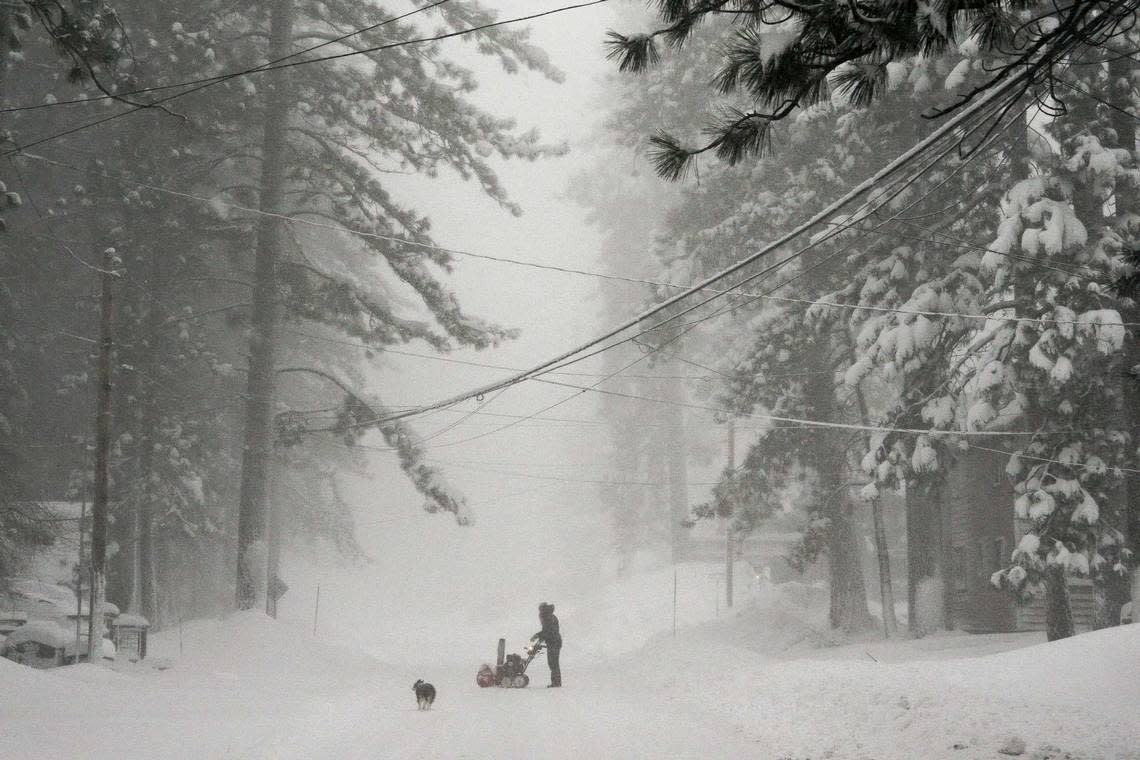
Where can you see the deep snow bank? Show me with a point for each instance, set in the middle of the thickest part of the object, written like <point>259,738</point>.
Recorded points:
<point>239,685</point>
<point>773,671</point>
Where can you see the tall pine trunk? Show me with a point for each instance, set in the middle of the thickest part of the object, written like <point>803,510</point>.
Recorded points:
<point>142,517</point>
<point>848,592</point>
<point>101,501</point>
<point>924,557</point>
<point>1120,72</point>
<point>1058,604</point>
<point>1058,607</point>
<point>848,598</point>
<point>886,591</point>
<point>258,440</point>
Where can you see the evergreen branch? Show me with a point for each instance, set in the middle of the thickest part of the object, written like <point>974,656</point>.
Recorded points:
<point>670,160</point>
<point>634,54</point>
<point>861,83</point>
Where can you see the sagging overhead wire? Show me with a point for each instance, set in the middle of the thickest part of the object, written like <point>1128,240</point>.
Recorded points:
<point>138,184</point>
<point>866,186</point>
<point>799,421</point>
<point>881,200</point>
<point>834,230</point>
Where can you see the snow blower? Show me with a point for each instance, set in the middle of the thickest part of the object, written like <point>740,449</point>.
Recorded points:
<point>510,669</point>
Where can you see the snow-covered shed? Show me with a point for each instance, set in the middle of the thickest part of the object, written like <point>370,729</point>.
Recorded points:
<point>38,644</point>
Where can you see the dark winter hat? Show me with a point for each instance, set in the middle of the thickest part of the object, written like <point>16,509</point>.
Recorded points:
<point>545,607</point>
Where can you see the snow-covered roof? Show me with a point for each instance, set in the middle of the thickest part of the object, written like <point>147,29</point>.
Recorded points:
<point>128,618</point>
<point>41,632</point>
<point>40,591</point>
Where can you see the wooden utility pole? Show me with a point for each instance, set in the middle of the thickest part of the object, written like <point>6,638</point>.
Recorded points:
<point>729,542</point>
<point>102,460</point>
<point>79,573</point>
<point>677,463</point>
<point>273,558</point>
<point>257,448</point>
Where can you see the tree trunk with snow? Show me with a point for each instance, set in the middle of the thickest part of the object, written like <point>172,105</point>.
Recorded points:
<point>142,562</point>
<point>258,441</point>
<point>848,603</point>
<point>1120,78</point>
<point>1058,608</point>
<point>848,598</point>
<point>1058,604</point>
<point>886,594</point>
<point>924,557</point>
<point>101,499</point>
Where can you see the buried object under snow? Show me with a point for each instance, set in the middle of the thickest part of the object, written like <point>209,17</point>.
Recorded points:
<point>510,669</point>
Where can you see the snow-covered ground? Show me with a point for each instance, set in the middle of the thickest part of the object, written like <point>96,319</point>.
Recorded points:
<point>764,682</point>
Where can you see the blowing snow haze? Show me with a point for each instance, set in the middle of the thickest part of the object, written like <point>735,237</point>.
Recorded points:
<point>767,368</point>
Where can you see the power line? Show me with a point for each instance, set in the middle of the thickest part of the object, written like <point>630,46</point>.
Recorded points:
<point>138,184</point>
<point>882,199</point>
<point>450,360</point>
<point>830,210</point>
<point>833,232</point>
<point>557,363</point>
<point>407,413</point>
<point>322,59</point>
<point>807,423</point>
<point>620,278</point>
<point>220,78</point>
<point>559,479</point>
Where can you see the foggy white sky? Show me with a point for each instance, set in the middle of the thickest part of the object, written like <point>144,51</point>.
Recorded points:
<point>543,538</point>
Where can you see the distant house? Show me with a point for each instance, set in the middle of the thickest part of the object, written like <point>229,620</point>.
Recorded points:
<point>979,532</point>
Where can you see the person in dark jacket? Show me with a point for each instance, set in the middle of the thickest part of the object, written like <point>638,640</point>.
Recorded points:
<point>550,636</point>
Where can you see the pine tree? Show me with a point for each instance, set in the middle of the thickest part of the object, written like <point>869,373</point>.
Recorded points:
<point>848,47</point>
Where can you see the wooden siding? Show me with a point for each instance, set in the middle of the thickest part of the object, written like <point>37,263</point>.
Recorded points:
<point>1031,615</point>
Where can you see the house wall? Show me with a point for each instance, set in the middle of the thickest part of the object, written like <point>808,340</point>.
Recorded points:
<point>978,535</point>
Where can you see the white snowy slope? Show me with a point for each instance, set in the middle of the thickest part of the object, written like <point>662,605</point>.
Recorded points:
<point>765,682</point>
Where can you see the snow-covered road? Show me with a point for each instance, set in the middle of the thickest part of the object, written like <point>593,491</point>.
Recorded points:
<point>751,685</point>
<point>595,718</point>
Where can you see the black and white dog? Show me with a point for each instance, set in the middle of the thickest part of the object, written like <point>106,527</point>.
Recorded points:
<point>425,694</point>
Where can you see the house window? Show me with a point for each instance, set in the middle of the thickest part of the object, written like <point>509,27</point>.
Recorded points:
<point>958,557</point>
